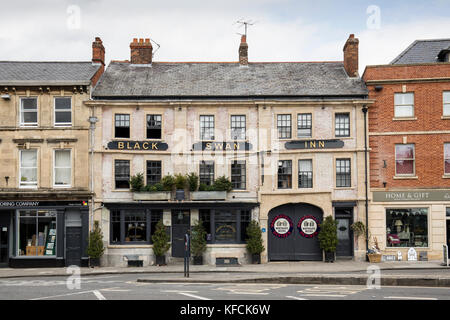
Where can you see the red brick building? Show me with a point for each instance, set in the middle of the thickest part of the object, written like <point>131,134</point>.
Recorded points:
<point>409,140</point>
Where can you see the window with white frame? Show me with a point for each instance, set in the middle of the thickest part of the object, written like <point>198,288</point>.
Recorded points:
<point>28,112</point>
<point>304,125</point>
<point>343,173</point>
<point>63,111</point>
<point>238,127</point>
<point>28,168</point>
<point>404,159</point>
<point>447,158</point>
<point>305,174</point>
<point>206,128</point>
<point>342,125</point>
<point>284,126</point>
<point>446,101</point>
<point>404,105</point>
<point>63,168</point>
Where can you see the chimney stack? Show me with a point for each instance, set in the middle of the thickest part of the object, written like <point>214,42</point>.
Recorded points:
<point>243,51</point>
<point>351,56</point>
<point>141,52</point>
<point>98,51</point>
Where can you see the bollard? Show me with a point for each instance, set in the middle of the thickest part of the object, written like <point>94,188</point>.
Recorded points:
<point>187,254</point>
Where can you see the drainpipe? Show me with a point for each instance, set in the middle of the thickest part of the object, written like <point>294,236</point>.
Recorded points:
<point>92,121</point>
<point>364,110</point>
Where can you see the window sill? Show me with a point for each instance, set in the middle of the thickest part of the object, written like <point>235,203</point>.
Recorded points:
<point>446,176</point>
<point>405,177</point>
<point>343,138</point>
<point>405,119</point>
<point>345,188</point>
<point>445,117</point>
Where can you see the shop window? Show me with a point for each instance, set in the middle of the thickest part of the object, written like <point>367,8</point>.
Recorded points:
<point>28,168</point>
<point>122,126</point>
<point>447,158</point>
<point>285,174</point>
<point>245,218</point>
<point>63,111</point>
<point>342,125</point>
<point>238,127</point>
<point>207,128</point>
<point>153,172</point>
<point>446,98</point>
<point>28,112</point>
<point>206,172</point>
<point>37,233</point>
<point>205,217</point>
<point>407,227</point>
<point>404,159</point>
<point>154,126</point>
<point>122,174</point>
<point>238,175</point>
<point>305,174</point>
<point>132,226</point>
<point>403,105</point>
<point>304,125</point>
<point>225,226</point>
<point>63,169</point>
<point>343,173</point>
<point>284,126</point>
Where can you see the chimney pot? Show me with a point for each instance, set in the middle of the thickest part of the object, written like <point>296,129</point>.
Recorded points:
<point>98,51</point>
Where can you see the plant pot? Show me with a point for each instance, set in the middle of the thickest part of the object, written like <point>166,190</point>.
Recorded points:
<point>151,196</point>
<point>160,260</point>
<point>329,256</point>
<point>208,195</point>
<point>179,195</point>
<point>198,260</point>
<point>94,262</point>
<point>256,258</point>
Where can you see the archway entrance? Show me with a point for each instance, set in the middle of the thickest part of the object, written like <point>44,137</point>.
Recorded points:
<point>293,233</point>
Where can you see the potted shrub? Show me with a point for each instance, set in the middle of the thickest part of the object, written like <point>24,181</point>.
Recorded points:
<point>95,247</point>
<point>198,242</point>
<point>160,243</point>
<point>217,191</point>
<point>255,241</point>
<point>328,238</point>
<point>192,180</point>
<point>137,182</point>
<point>223,184</point>
<point>180,184</point>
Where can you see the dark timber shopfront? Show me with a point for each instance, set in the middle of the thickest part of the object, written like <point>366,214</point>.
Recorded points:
<point>43,233</point>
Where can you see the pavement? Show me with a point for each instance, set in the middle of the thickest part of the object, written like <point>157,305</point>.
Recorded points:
<point>341,272</point>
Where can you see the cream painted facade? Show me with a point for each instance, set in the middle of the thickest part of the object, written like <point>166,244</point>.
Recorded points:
<point>180,130</point>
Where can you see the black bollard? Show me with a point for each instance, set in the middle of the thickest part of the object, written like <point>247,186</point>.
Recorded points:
<point>187,254</point>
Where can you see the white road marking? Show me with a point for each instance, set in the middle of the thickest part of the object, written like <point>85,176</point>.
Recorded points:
<point>179,291</point>
<point>98,295</point>
<point>193,296</point>
<point>295,298</point>
<point>70,294</point>
<point>411,298</point>
<point>249,292</point>
<point>324,295</point>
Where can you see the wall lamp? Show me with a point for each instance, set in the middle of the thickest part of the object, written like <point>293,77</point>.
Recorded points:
<point>378,88</point>
<point>6,96</point>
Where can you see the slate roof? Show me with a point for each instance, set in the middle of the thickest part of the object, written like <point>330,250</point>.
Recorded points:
<point>163,80</point>
<point>422,51</point>
<point>42,73</point>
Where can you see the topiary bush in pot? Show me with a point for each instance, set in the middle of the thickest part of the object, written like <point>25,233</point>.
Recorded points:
<point>328,238</point>
<point>95,247</point>
<point>254,241</point>
<point>161,243</point>
<point>198,242</point>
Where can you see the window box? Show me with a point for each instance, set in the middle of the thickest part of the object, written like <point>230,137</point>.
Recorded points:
<point>152,196</point>
<point>208,195</point>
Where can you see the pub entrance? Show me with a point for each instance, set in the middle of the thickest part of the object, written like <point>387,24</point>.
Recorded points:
<point>344,219</point>
<point>181,222</point>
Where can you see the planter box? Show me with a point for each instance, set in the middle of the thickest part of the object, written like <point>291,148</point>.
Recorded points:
<point>152,196</point>
<point>208,195</point>
<point>374,257</point>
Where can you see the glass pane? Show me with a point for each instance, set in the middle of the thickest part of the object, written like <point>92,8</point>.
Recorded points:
<point>28,175</point>
<point>29,158</point>
<point>136,231</point>
<point>447,166</point>
<point>404,151</point>
<point>225,226</point>
<point>446,96</point>
<point>447,109</point>
<point>404,98</point>
<point>404,111</point>
<point>27,236</point>
<point>305,165</point>
<point>407,227</point>
<point>29,104</point>
<point>447,150</point>
<point>62,158</point>
<point>29,117</point>
<point>63,117</point>
<point>405,167</point>
<point>62,176</point>
<point>46,236</point>
<point>63,103</point>
<point>342,229</point>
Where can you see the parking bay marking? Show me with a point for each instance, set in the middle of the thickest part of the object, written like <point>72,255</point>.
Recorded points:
<point>330,291</point>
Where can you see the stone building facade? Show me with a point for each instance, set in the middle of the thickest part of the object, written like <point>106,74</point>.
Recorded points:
<point>44,157</point>
<point>410,150</point>
<point>290,136</point>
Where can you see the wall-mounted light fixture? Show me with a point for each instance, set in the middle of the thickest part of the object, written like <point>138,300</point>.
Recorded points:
<point>6,96</point>
<point>384,164</point>
<point>378,88</point>
<point>384,184</point>
<point>6,179</point>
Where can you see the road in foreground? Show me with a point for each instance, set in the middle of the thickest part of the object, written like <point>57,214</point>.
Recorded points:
<point>125,287</point>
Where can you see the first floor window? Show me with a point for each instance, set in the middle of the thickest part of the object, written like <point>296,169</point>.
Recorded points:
<point>63,168</point>
<point>285,174</point>
<point>304,125</point>
<point>28,168</point>
<point>63,111</point>
<point>407,227</point>
<point>403,105</point>
<point>404,159</point>
<point>154,126</point>
<point>446,97</point>
<point>238,127</point>
<point>206,172</point>
<point>207,128</point>
<point>153,172</point>
<point>238,175</point>
<point>342,125</point>
<point>28,112</point>
<point>122,126</point>
<point>305,174</point>
<point>447,158</point>
<point>133,226</point>
<point>284,126</point>
<point>37,232</point>
<point>343,173</point>
<point>122,174</point>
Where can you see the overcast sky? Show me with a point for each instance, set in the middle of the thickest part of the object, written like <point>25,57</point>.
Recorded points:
<point>194,30</point>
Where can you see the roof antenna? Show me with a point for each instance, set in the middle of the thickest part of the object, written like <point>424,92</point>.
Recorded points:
<point>245,23</point>
<point>153,53</point>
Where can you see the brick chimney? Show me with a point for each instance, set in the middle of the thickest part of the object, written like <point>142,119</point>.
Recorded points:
<point>141,52</point>
<point>243,51</point>
<point>98,56</point>
<point>351,56</point>
<point>98,51</point>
